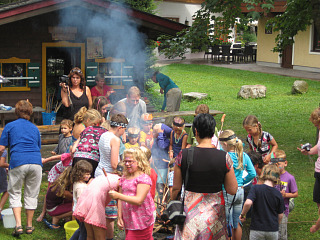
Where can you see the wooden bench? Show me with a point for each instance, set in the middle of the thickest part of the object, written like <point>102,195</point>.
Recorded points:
<point>160,115</point>
<point>4,114</point>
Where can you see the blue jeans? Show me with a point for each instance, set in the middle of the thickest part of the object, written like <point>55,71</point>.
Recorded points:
<point>235,210</point>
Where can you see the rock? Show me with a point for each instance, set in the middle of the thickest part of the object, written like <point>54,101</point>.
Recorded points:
<point>299,86</point>
<point>252,91</point>
<point>191,96</point>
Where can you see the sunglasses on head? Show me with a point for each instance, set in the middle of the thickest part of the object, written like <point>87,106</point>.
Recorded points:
<point>76,71</point>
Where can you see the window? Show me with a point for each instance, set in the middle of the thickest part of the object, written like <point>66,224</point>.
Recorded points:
<point>316,39</point>
<point>15,70</point>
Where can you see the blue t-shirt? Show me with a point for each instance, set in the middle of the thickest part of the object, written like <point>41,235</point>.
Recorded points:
<point>248,167</point>
<point>23,138</point>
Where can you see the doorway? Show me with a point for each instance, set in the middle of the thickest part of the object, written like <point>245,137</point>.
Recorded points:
<point>58,59</point>
<point>287,57</point>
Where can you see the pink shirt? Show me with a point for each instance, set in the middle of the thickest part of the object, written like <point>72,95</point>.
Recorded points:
<point>137,217</point>
<point>317,163</point>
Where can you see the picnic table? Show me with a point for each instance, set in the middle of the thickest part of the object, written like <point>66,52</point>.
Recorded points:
<point>159,115</point>
<point>4,113</point>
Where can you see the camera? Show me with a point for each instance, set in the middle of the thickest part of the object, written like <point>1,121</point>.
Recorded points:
<point>306,147</point>
<point>64,79</point>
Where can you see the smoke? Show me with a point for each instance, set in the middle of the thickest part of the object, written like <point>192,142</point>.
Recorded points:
<point>120,35</point>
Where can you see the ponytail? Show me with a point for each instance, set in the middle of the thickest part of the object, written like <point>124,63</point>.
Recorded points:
<point>260,134</point>
<point>231,139</point>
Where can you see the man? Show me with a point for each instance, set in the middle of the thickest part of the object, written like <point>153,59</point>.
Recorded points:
<point>172,94</point>
<point>135,107</point>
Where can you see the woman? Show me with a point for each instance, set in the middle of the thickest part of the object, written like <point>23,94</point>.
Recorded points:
<point>76,94</point>
<point>101,89</point>
<point>23,139</point>
<point>204,203</point>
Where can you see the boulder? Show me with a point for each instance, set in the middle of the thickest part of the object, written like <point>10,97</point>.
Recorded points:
<point>191,96</point>
<point>252,91</point>
<point>299,86</point>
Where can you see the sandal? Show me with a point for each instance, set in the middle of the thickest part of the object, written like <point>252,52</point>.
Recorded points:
<point>29,230</point>
<point>17,231</point>
<point>50,225</point>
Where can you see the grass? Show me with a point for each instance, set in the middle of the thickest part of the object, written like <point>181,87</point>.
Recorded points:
<point>282,114</point>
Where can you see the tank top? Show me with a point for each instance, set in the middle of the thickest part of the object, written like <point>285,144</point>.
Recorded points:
<point>208,170</point>
<point>105,154</point>
<point>77,103</point>
<point>176,144</point>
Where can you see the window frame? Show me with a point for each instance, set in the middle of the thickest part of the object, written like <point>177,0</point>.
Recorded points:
<point>15,60</point>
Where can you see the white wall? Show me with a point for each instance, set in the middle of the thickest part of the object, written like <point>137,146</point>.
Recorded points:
<point>177,10</point>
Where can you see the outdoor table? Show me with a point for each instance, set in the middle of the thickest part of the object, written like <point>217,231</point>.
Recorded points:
<point>3,114</point>
<point>159,115</point>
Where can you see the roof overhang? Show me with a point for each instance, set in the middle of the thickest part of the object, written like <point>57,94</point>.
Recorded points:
<point>30,8</point>
<point>279,7</point>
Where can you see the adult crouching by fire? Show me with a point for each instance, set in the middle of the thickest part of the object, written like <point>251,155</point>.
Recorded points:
<point>75,94</point>
<point>135,106</point>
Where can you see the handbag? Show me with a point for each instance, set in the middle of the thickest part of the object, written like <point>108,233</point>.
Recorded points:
<point>175,208</point>
<point>229,226</point>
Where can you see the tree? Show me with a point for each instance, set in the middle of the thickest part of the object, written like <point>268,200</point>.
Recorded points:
<point>297,17</point>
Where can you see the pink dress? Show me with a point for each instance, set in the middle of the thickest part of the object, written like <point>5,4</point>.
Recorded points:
<point>137,217</point>
<point>93,200</point>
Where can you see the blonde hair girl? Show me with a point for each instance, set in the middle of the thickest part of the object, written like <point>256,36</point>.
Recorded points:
<point>241,163</point>
<point>230,142</point>
<point>259,141</point>
<point>135,203</point>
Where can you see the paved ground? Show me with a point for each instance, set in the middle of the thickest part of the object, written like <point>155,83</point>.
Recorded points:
<point>245,66</point>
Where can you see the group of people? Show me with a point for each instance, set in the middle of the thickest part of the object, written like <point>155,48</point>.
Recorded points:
<point>123,166</point>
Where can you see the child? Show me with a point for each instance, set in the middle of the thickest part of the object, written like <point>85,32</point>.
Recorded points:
<point>80,175</point>
<point>287,187</point>
<point>91,205</point>
<point>178,141</point>
<point>191,141</point>
<point>244,172</point>
<point>101,104</point>
<point>259,141</point>
<point>146,135</point>
<point>3,180</point>
<point>59,199</point>
<point>78,123</point>
<point>153,174</point>
<point>268,205</point>
<point>160,157</point>
<point>133,136</point>
<point>65,138</point>
<point>109,146</point>
<point>135,202</point>
<point>86,147</point>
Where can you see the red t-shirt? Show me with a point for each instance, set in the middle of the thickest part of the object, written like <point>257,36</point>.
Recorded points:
<point>96,93</point>
<point>153,176</point>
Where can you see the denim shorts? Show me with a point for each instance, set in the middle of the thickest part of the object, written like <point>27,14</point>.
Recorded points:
<point>235,210</point>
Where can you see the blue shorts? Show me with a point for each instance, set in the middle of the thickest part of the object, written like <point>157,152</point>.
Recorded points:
<point>235,211</point>
<point>170,179</point>
<point>112,210</point>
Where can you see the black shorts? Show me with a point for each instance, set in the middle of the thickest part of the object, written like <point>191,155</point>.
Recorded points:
<point>316,188</point>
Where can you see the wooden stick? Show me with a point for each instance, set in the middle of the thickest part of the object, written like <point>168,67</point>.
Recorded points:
<point>222,121</point>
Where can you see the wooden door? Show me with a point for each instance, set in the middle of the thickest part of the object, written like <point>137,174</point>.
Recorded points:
<point>287,57</point>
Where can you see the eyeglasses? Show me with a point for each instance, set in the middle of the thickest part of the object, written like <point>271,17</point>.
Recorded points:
<point>129,162</point>
<point>76,71</point>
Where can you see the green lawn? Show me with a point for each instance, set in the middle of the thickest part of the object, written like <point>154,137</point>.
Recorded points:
<point>284,115</point>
